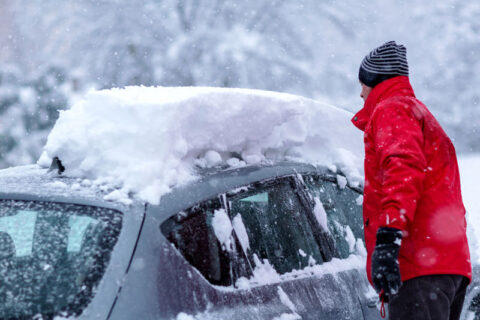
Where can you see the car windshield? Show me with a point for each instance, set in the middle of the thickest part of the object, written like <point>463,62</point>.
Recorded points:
<point>52,256</point>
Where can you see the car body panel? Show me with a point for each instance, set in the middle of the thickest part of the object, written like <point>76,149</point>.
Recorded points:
<point>148,277</point>
<point>179,287</point>
<point>114,277</point>
<point>132,217</point>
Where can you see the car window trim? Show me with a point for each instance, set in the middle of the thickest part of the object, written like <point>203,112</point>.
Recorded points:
<point>332,179</point>
<point>129,262</point>
<point>322,237</point>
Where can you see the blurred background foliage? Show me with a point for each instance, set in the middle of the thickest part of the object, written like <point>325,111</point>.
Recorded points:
<point>53,51</point>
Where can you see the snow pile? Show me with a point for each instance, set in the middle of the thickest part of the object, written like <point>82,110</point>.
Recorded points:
<point>264,273</point>
<point>145,140</point>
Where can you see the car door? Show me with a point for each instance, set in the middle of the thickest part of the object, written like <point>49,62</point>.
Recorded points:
<point>342,206</point>
<point>217,269</point>
<point>289,253</point>
<point>259,252</point>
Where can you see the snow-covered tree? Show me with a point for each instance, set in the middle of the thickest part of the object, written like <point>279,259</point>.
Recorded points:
<point>28,109</point>
<point>173,42</point>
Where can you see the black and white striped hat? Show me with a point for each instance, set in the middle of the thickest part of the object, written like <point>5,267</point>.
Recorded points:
<point>382,63</point>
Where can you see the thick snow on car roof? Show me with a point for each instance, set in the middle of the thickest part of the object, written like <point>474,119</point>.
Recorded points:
<point>146,140</point>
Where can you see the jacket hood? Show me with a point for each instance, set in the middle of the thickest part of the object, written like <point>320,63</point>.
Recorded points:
<point>397,86</point>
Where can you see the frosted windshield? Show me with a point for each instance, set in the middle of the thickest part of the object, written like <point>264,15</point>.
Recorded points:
<point>52,256</point>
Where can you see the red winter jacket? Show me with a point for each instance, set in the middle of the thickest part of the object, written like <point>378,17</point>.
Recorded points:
<point>412,183</point>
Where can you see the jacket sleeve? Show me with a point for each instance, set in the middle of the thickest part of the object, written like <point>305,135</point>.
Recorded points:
<point>398,139</point>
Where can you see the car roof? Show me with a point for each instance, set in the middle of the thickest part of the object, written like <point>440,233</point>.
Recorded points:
<point>32,182</point>
<point>217,182</point>
<point>35,183</point>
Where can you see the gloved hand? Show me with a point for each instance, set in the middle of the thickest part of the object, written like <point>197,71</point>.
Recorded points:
<point>385,268</point>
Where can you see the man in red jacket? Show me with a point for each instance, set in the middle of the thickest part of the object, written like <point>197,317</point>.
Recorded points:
<point>414,218</point>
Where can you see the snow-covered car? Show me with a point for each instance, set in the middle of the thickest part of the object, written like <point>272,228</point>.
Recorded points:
<point>257,242</point>
<point>188,203</point>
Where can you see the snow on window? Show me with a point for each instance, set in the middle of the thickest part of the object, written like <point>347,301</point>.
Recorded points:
<point>350,238</point>
<point>320,213</point>
<point>222,227</point>
<point>238,190</point>
<point>302,253</point>
<point>264,273</point>
<point>359,200</point>
<point>37,237</point>
<point>241,232</point>
<point>300,178</point>
<point>360,248</point>
<point>145,141</point>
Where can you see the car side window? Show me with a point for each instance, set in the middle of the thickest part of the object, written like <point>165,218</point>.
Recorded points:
<point>343,208</point>
<point>271,224</point>
<point>192,232</point>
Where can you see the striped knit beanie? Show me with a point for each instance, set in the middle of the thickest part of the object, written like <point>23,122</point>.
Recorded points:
<point>382,63</point>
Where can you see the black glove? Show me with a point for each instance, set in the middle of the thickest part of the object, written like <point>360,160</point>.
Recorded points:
<point>385,269</point>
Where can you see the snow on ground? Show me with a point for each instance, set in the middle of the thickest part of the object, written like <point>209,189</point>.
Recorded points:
<point>145,140</point>
<point>469,166</point>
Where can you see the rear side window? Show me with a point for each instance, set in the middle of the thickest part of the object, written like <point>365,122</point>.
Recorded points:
<point>273,225</point>
<point>52,256</point>
<point>193,234</point>
<point>262,224</point>
<point>343,208</point>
